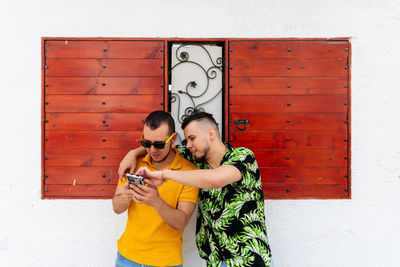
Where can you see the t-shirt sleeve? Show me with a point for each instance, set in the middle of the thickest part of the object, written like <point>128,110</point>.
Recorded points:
<point>189,194</point>
<point>123,181</point>
<point>243,159</point>
<point>185,153</point>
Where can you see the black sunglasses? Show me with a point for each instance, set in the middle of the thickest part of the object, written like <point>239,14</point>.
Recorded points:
<point>156,144</point>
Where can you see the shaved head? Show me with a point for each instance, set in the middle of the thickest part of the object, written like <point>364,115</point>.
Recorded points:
<point>205,121</point>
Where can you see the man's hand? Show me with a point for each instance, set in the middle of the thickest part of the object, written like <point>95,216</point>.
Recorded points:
<point>127,163</point>
<point>125,192</point>
<point>122,198</point>
<point>146,195</point>
<point>152,178</point>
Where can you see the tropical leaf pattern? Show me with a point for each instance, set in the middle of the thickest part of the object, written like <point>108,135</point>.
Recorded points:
<point>230,220</point>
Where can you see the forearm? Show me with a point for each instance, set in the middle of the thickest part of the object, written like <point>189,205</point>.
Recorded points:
<point>120,203</point>
<point>175,218</point>
<point>198,178</point>
<point>136,152</point>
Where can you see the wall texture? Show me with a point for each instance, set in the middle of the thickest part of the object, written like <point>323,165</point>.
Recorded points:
<point>362,231</point>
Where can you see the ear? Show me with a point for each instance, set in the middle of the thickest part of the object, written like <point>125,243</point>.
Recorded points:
<point>211,133</point>
<point>173,139</point>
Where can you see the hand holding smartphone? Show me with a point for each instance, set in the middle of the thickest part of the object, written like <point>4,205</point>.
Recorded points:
<point>135,179</point>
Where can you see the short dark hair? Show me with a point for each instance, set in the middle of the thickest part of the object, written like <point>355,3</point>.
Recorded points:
<point>199,116</point>
<point>158,117</point>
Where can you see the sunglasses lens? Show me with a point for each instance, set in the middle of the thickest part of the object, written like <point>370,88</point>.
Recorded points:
<point>159,145</point>
<point>145,144</point>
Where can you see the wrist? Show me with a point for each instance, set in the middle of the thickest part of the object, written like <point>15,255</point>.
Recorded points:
<point>164,175</point>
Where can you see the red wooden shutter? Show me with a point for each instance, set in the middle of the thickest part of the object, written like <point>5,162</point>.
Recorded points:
<point>96,94</point>
<point>295,95</point>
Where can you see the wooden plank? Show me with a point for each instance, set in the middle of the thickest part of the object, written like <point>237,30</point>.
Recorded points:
<point>92,139</point>
<point>103,103</point>
<point>288,85</point>
<point>286,122</point>
<point>289,140</point>
<point>104,67</point>
<point>288,67</point>
<point>306,191</point>
<point>303,176</point>
<point>332,158</point>
<point>84,157</point>
<point>95,121</point>
<point>81,175</point>
<point>104,49</point>
<point>293,140</point>
<point>104,85</point>
<point>311,103</point>
<point>79,190</point>
<point>289,49</point>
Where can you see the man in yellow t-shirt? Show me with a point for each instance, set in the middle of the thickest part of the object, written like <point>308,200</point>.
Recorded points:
<point>156,215</point>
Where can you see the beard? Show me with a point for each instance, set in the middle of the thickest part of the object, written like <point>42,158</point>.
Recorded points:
<point>166,156</point>
<point>203,157</point>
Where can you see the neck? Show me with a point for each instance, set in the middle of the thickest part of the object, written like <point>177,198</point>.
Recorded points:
<point>215,155</point>
<point>168,160</point>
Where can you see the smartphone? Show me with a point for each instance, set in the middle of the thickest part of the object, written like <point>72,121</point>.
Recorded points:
<point>135,179</point>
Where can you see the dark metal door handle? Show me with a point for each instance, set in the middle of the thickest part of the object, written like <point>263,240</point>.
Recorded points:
<point>239,122</point>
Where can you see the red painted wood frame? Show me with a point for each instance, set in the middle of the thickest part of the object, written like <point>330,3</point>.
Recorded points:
<point>295,93</point>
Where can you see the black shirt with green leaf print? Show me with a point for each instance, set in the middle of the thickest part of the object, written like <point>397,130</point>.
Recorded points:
<point>230,220</point>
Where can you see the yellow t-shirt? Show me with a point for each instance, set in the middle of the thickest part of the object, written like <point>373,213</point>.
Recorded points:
<point>147,238</point>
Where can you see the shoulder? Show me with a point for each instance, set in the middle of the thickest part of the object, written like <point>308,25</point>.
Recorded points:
<point>241,153</point>
<point>185,164</point>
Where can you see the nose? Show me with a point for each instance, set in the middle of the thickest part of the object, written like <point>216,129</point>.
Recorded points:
<point>152,149</point>
<point>188,144</point>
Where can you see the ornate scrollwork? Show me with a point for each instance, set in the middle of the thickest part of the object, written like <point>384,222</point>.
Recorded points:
<point>194,90</point>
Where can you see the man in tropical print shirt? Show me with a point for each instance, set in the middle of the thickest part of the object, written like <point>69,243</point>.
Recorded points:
<point>230,228</point>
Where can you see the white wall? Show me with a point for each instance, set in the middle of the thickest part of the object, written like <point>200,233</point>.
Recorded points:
<point>363,231</point>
